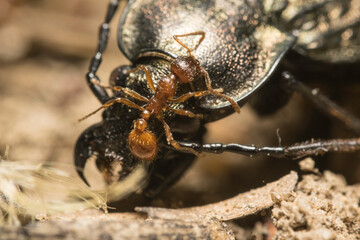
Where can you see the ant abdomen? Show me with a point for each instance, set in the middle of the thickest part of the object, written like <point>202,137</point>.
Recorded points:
<point>142,142</point>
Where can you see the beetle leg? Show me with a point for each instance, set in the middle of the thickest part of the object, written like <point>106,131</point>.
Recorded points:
<point>298,150</point>
<point>184,112</point>
<point>147,73</point>
<point>321,102</point>
<point>217,93</point>
<point>122,89</point>
<point>100,92</point>
<point>112,102</point>
<point>170,139</point>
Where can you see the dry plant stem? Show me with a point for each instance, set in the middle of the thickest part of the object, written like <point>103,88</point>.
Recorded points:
<point>239,206</point>
<point>94,229</point>
<point>25,190</point>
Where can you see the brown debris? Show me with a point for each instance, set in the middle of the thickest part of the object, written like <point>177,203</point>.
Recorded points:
<point>239,206</point>
<point>308,165</point>
<point>118,227</point>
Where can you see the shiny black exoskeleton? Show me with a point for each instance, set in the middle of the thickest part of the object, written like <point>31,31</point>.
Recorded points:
<point>244,44</point>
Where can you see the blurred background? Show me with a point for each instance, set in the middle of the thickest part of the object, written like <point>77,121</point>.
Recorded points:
<point>45,49</point>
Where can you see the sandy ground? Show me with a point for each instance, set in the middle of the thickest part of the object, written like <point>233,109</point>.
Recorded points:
<point>45,47</point>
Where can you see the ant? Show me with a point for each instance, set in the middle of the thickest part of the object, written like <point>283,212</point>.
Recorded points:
<point>184,69</point>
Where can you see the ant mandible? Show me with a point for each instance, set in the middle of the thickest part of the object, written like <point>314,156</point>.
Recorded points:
<point>184,69</point>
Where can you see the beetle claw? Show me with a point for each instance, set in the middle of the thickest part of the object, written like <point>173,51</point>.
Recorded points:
<point>82,152</point>
<point>80,169</point>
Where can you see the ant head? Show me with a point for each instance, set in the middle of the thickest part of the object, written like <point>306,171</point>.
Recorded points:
<point>142,142</point>
<point>186,68</point>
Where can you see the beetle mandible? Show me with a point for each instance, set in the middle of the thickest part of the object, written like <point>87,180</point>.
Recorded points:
<point>244,44</point>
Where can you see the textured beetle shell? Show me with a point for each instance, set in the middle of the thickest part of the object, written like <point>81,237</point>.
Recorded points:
<point>240,49</point>
<point>328,30</point>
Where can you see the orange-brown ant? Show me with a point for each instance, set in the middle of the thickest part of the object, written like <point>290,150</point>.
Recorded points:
<point>142,142</point>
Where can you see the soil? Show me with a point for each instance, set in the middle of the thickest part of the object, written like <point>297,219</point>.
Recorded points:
<point>322,207</point>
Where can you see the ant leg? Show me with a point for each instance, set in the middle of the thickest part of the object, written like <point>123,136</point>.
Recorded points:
<point>217,93</point>
<point>147,73</point>
<point>295,151</point>
<point>100,92</point>
<point>170,138</point>
<point>188,95</point>
<point>125,90</point>
<point>202,33</point>
<point>321,102</point>
<point>184,112</point>
<point>112,102</point>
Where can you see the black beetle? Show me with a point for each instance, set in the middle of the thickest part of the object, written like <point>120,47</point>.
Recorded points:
<point>244,44</point>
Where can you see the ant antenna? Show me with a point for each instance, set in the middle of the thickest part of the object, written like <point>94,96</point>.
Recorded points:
<point>202,33</point>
